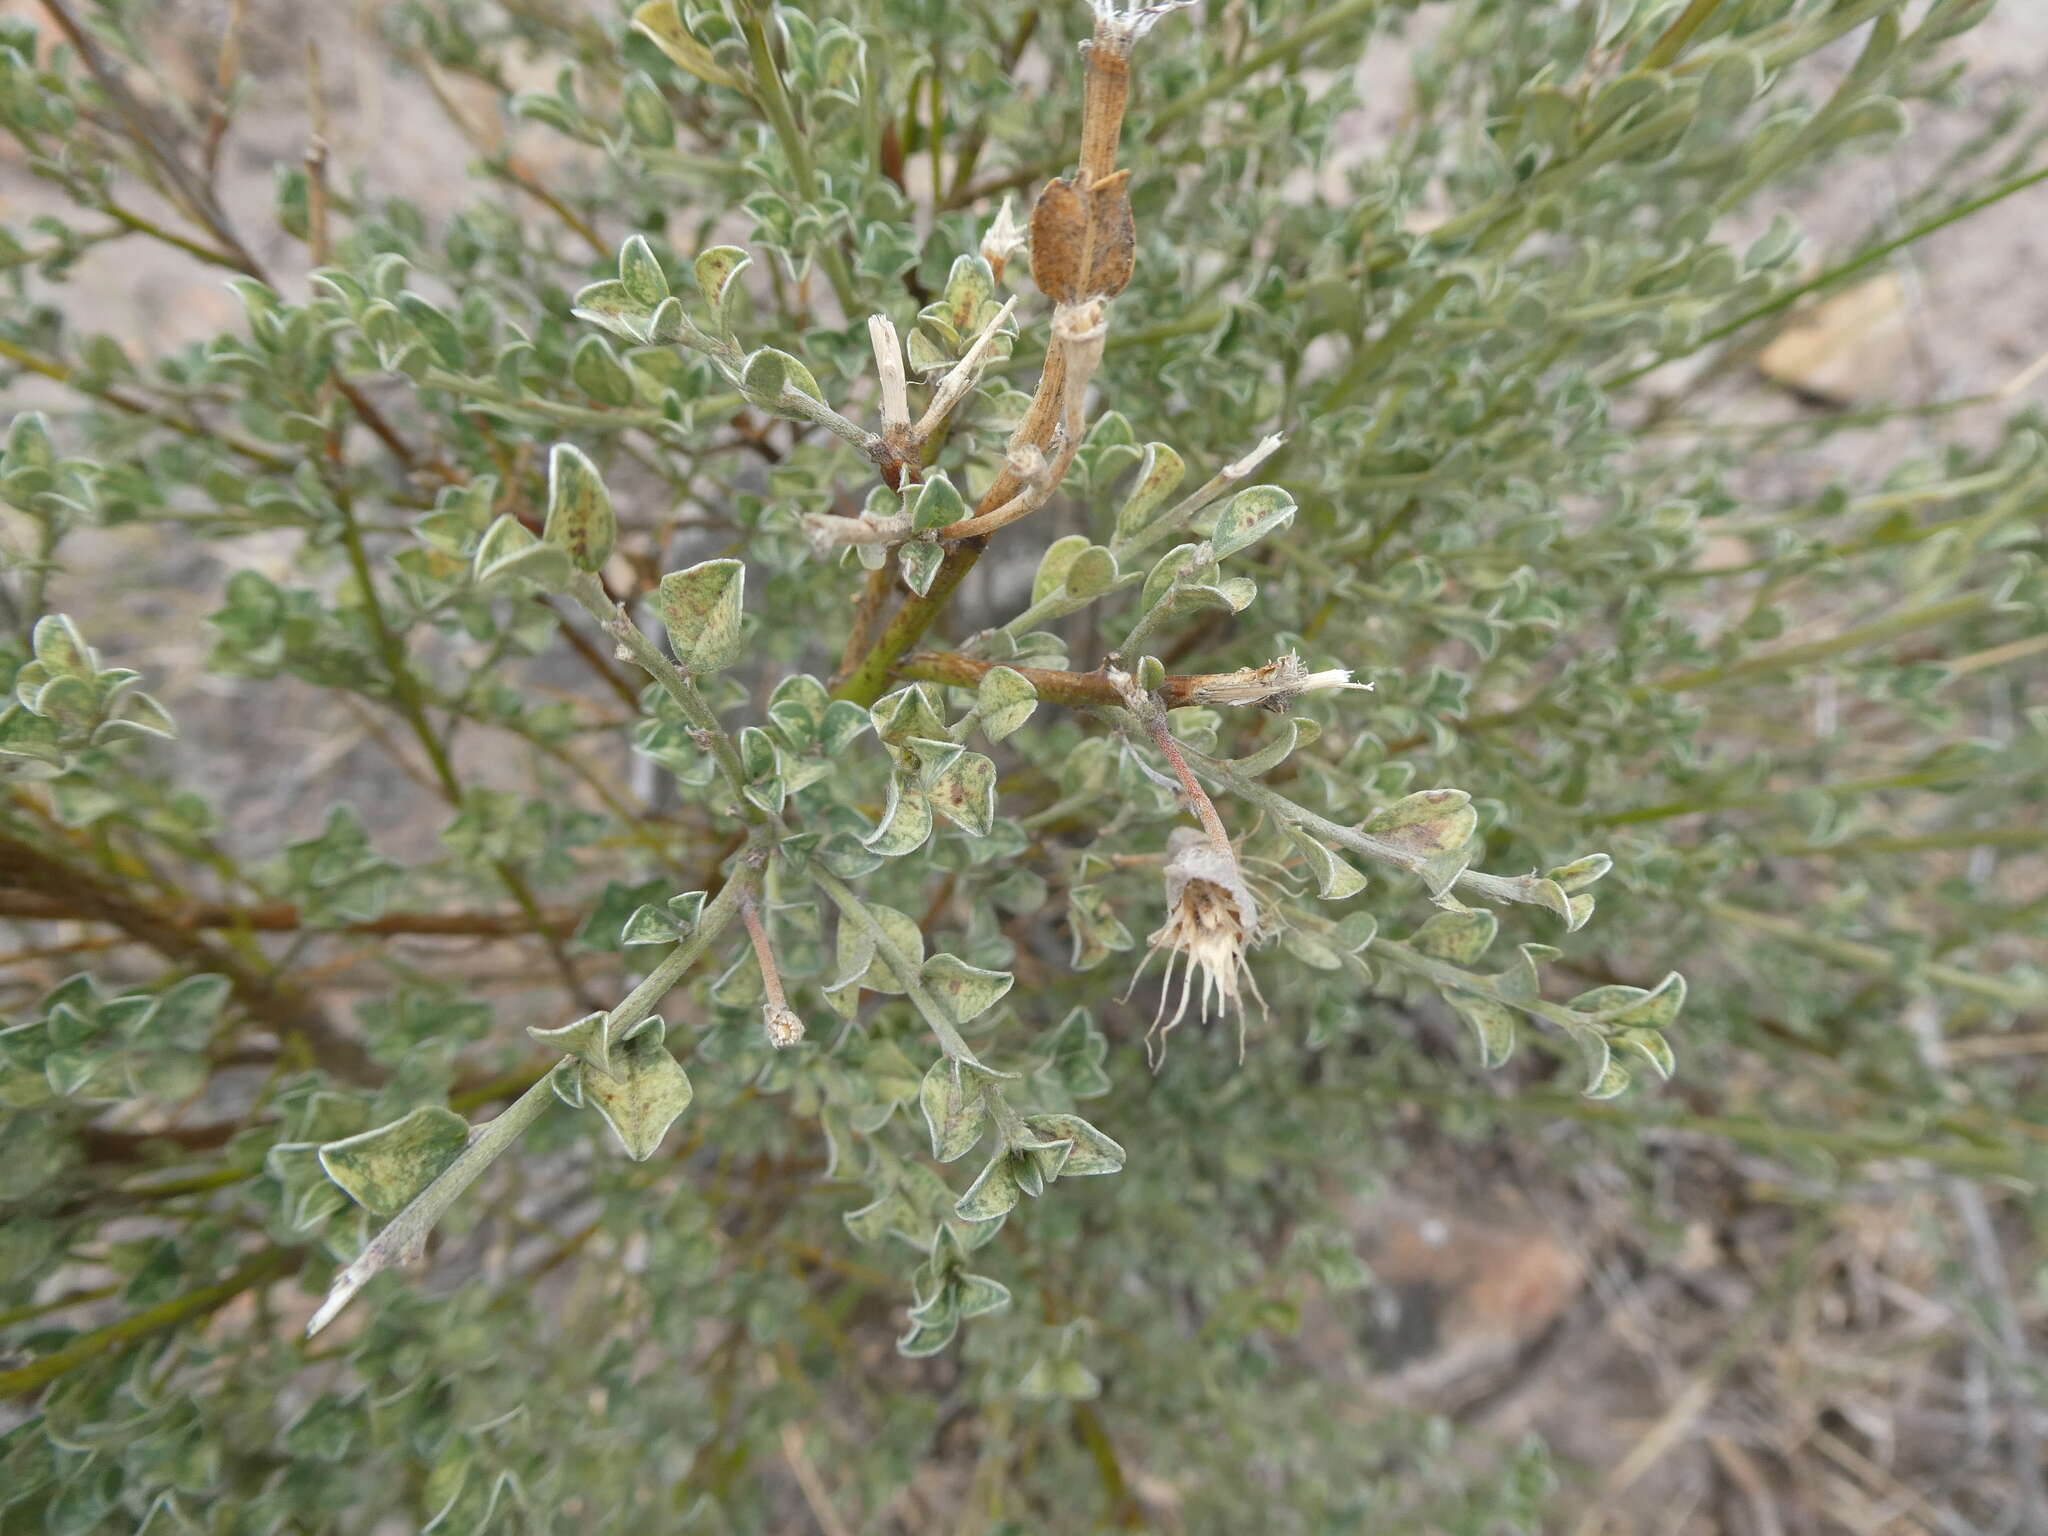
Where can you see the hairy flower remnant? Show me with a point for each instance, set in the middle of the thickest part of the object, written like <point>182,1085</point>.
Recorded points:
<point>783,1027</point>
<point>1273,686</point>
<point>1211,919</point>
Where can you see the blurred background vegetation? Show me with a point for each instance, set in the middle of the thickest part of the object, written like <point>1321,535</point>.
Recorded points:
<point>1662,384</point>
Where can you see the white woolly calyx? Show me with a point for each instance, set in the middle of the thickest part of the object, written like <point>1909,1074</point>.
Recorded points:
<point>1212,918</point>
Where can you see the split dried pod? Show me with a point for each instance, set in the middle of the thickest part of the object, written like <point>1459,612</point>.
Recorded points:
<point>1083,242</point>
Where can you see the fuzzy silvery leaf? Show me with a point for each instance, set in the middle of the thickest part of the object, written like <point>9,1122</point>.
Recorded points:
<point>597,371</point>
<point>60,648</point>
<point>771,373</point>
<point>644,1093</point>
<point>611,305</point>
<point>936,503</point>
<point>906,713</point>
<point>641,273</point>
<point>587,1039</point>
<point>1159,472</point>
<point>932,757</point>
<point>718,274</point>
<point>1167,570</point>
<point>1273,753</point>
<point>580,517</point>
<point>906,820</point>
<point>661,22</point>
<point>1053,564</point>
<point>993,1193</point>
<point>954,1112</point>
<point>1096,928</point>
<point>27,735</point>
<point>859,960</point>
<point>965,793</point>
<point>1652,1047</point>
<point>919,561</point>
<point>1249,516</point>
<point>1090,574</point>
<point>1493,1023</point>
<point>1460,937</point>
<point>435,329</point>
<point>977,1295</point>
<point>798,708</point>
<point>1093,1152</point>
<point>701,609</point>
<point>508,552</point>
<point>1059,1380</point>
<point>1335,879</point>
<point>1581,872</point>
<point>71,703</point>
<point>1619,1007</point>
<point>1427,822</point>
<point>1005,701</point>
<point>29,452</point>
<point>964,991</point>
<point>1311,949</point>
<point>931,1338</point>
<point>309,1197</point>
<point>383,1169</point>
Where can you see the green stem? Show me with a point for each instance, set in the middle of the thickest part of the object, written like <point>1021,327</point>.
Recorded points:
<point>1282,50</point>
<point>1929,842</point>
<point>1518,888</point>
<point>1861,635</point>
<point>1837,273</point>
<point>410,699</point>
<point>1764,1135</point>
<point>870,677</point>
<point>264,1267</point>
<point>589,591</point>
<point>404,1238</point>
<point>1923,779</point>
<point>774,99</point>
<point>906,973</point>
<point>1870,958</point>
<point>1665,51</point>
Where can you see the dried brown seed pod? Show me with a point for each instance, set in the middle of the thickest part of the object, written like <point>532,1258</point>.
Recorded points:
<point>1059,241</point>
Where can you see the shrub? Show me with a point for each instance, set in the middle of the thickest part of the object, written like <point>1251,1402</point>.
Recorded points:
<point>853,559</point>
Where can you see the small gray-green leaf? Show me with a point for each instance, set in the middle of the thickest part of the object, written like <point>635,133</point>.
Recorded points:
<point>1461,937</point>
<point>718,271</point>
<point>1429,821</point>
<point>1092,1151</point>
<point>1090,573</point>
<point>936,504</point>
<point>1159,472</point>
<point>701,609</point>
<point>586,1039</point>
<point>1006,700</point>
<point>954,1112</point>
<point>771,373</point>
<point>580,517</point>
<point>965,793</point>
<point>383,1169</point>
<point>964,991</point>
<point>1052,566</point>
<point>1249,516</point>
<point>994,1193</point>
<point>1492,1022</point>
<point>661,22</point>
<point>906,821</point>
<point>641,273</point>
<point>647,1090</point>
<point>919,560</point>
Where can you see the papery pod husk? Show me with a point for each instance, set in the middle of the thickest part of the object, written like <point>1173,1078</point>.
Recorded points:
<point>1063,265</point>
